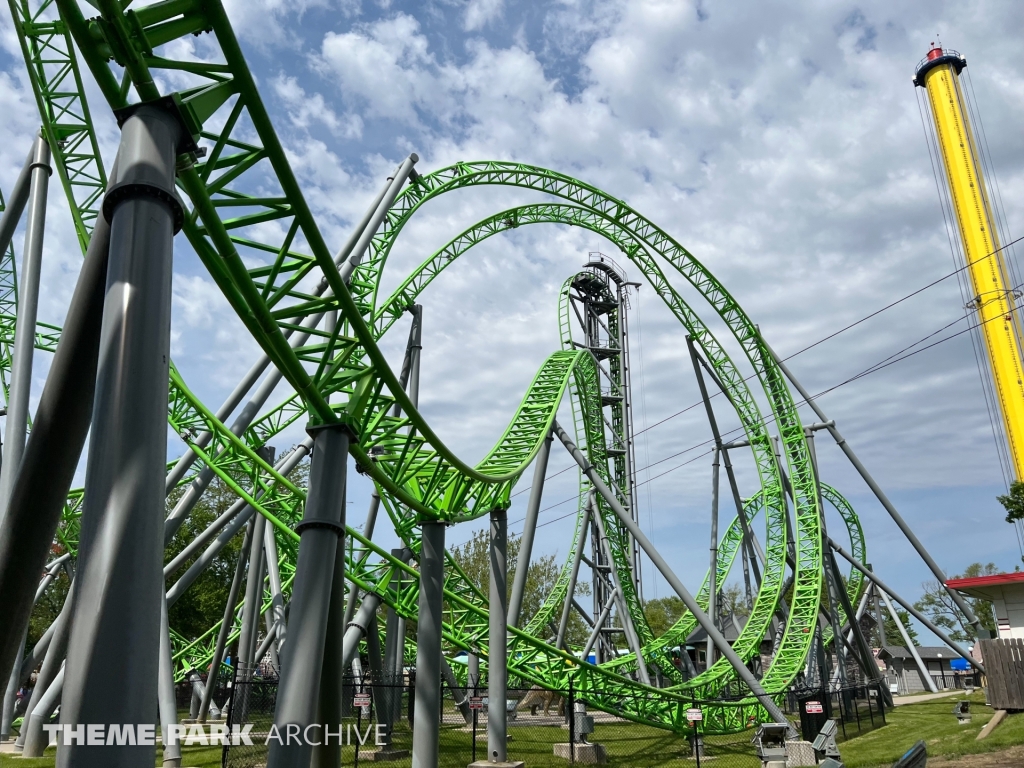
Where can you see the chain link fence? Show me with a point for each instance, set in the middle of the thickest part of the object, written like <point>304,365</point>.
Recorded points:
<point>378,720</point>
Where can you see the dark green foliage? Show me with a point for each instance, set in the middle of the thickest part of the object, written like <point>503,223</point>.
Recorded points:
<point>1013,502</point>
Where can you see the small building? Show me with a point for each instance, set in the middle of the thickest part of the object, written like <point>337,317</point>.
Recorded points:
<point>902,672</point>
<point>1006,592</point>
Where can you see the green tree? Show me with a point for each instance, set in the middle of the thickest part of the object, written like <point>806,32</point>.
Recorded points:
<point>1013,502</point>
<point>939,607</point>
<point>662,613</point>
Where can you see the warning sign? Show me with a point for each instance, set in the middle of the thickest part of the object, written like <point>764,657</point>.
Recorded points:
<point>476,702</point>
<point>694,715</point>
<point>361,700</point>
<point>813,708</point>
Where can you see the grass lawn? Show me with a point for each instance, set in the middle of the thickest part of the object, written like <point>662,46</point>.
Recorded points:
<point>639,746</point>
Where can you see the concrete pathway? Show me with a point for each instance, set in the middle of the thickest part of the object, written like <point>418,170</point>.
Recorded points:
<point>898,700</point>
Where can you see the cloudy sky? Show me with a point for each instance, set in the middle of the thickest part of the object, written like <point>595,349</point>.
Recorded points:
<point>781,143</point>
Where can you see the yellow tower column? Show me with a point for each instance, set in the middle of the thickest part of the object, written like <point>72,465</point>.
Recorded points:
<point>939,75</point>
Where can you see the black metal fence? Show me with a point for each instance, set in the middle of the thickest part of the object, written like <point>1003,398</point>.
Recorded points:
<point>544,728</point>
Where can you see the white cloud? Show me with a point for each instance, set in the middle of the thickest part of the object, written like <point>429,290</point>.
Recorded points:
<point>480,13</point>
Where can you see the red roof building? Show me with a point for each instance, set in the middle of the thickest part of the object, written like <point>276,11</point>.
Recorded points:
<point>1006,591</point>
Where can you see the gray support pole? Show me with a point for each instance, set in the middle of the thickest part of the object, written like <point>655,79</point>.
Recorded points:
<point>368,526</point>
<point>321,534</point>
<point>617,589</point>
<point>880,495</point>
<point>328,753</point>
<point>121,544</point>
<point>922,670</point>
<point>394,641</point>
<point>713,572</point>
<point>357,629</point>
<point>864,650</point>
<point>908,606</point>
<point>270,555</point>
<point>497,640</point>
<point>53,449</point>
<point>540,468</point>
<point>426,732</point>
<point>659,562</point>
<point>21,365</point>
<point>253,598</point>
<point>563,624</point>
<point>168,703</point>
<point>204,560</point>
<point>36,741</point>
<point>226,625</point>
<point>25,328</point>
<point>381,683</point>
<point>748,542</point>
<point>16,201</point>
<point>52,664</point>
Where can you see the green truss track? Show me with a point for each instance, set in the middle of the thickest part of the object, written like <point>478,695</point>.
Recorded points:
<point>244,207</point>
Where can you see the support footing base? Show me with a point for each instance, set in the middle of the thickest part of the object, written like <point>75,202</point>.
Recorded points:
<point>486,764</point>
<point>586,754</point>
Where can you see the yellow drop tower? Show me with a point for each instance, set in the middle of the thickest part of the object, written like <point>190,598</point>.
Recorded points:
<point>993,300</point>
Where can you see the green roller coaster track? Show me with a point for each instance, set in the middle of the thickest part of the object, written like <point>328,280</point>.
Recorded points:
<point>242,183</point>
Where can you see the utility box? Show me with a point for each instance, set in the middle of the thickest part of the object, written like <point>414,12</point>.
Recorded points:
<point>815,711</point>
<point>770,741</point>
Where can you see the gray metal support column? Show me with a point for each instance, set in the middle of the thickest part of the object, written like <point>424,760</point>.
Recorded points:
<point>321,535</point>
<point>253,597</point>
<point>497,640</point>
<point>922,670</point>
<point>394,640</point>
<point>368,526</point>
<point>328,753</point>
<point>168,703</point>
<point>713,570</point>
<point>34,743</point>
<point>356,630</point>
<point>659,562</point>
<point>226,626</point>
<point>880,495</point>
<point>563,623</point>
<point>121,545</point>
<point>16,427</point>
<point>426,729</point>
<point>53,449</point>
<point>909,607</point>
<point>16,201</point>
<point>40,714</point>
<point>21,363</point>
<point>540,468</point>
<point>275,616</point>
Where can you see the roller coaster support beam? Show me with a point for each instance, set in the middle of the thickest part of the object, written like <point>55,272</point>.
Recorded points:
<point>121,546</point>
<point>880,495</point>
<point>908,606</point>
<point>32,738</point>
<point>713,572</point>
<point>600,622</point>
<point>425,735</point>
<point>358,628</point>
<point>226,625</point>
<point>922,670</point>
<point>617,588</point>
<point>253,598</point>
<point>659,562</point>
<point>275,617</point>
<point>25,328</point>
<point>16,202</point>
<point>168,705</point>
<point>21,363</point>
<point>497,640</point>
<point>53,448</point>
<point>563,623</point>
<point>540,468</point>
<point>327,754</point>
<point>321,541</point>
